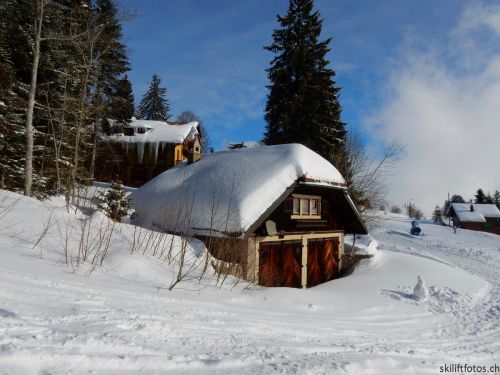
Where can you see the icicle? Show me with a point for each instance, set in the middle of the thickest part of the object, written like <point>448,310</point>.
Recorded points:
<point>140,151</point>
<point>155,145</point>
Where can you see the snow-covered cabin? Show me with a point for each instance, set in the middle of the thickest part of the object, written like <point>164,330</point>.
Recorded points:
<point>481,217</point>
<point>143,149</point>
<point>280,213</point>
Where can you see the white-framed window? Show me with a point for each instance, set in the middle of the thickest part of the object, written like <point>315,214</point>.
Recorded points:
<point>306,207</point>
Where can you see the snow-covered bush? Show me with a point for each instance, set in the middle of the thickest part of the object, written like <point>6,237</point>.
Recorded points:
<point>115,204</point>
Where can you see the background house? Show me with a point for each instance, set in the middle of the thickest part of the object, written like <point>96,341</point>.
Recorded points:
<point>481,217</point>
<point>143,149</point>
<point>279,213</point>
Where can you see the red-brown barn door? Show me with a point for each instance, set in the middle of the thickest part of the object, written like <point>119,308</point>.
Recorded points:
<point>280,264</point>
<point>322,260</point>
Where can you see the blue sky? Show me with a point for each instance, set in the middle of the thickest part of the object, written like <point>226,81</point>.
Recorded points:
<point>210,54</point>
<point>389,56</point>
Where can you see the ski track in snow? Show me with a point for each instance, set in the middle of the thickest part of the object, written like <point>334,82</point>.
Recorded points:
<point>54,322</point>
<point>476,322</point>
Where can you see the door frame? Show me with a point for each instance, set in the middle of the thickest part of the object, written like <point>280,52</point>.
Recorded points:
<point>303,238</point>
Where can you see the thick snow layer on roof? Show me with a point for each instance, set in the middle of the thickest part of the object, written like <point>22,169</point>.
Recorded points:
<point>245,144</point>
<point>481,211</point>
<point>160,132</point>
<point>228,191</point>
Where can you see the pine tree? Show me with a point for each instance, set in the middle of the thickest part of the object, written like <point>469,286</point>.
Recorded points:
<point>80,73</point>
<point>480,196</point>
<point>496,198</point>
<point>437,215</point>
<point>154,105</point>
<point>455,198</point>
<point>115,204</point>
<point>11,119</point>
<point>122,103</point>
<point>302,104</point>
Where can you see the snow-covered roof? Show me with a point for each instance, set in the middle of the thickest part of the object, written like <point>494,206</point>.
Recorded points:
<point>244,144</point>
<point>228,191</point>
<point>157,131</point>
<point>478,215</point>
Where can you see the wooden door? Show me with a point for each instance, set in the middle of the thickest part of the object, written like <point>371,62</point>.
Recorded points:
<point>331,258</point>
<point>292,264</point>
<point>270,264</point>
<point>322,260</point>
<point>280,264</point>
<point>314,263</point>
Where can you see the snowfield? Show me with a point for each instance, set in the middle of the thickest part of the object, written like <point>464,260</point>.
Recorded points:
<point>59,317</point>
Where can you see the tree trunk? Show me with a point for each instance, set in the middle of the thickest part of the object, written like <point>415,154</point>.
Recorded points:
<point>28,168</point>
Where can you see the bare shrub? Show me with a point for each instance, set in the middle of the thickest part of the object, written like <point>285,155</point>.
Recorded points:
<point>364,173</point>
<point>6,205</point>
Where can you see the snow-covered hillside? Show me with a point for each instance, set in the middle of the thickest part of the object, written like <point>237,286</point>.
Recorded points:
<point>57,317</point>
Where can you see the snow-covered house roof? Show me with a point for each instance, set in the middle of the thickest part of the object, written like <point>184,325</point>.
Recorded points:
<point>478,214</point>
<point>145,131</point>
<point>243,144</point>
<point>228,191</point>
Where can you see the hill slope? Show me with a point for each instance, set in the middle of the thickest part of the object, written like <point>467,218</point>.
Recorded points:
<point>120,318</point>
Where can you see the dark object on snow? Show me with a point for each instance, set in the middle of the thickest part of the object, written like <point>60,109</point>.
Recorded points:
<point>415,229</point>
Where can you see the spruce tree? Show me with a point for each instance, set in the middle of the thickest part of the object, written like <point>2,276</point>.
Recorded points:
<point>122,103</point>
<point>489,199</point>
<point>11,121</point>
<point>302,103</point>
<point>113,90</point>
<point>154,105</point>
<point>480,196</point>
<point>437,215</point>
<point>496,198</point>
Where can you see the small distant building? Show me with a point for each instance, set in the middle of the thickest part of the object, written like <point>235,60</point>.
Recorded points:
<point>243,144</point>
<point>277,214</point>
<point>143,149</point>
<point>480,217</point>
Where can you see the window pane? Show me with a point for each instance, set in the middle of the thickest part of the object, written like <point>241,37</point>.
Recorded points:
<point>304,206</point>
<point>314,206</point>
<point>296,208</point>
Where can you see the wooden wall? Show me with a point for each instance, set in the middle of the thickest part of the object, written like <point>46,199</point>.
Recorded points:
<point>492,225</point>
<point>120,162</point>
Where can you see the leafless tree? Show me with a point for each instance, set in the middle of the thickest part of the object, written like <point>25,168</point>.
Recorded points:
<point>365,173</point>
<point>28,169</point>
<point>395,209</point>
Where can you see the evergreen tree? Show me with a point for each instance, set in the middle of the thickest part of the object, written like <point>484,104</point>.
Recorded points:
<point>496,198</point>
<point>455,198</point>
<point>115,204</point>
<point>302,103</point>
<point>113,91</point>
<point>11,119</point>
<point>437,215</point>
<point>480,196</point>
<point>154,105</point>
<point>122,104</point>
<point>80,69</point>
<point>489,199</point>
